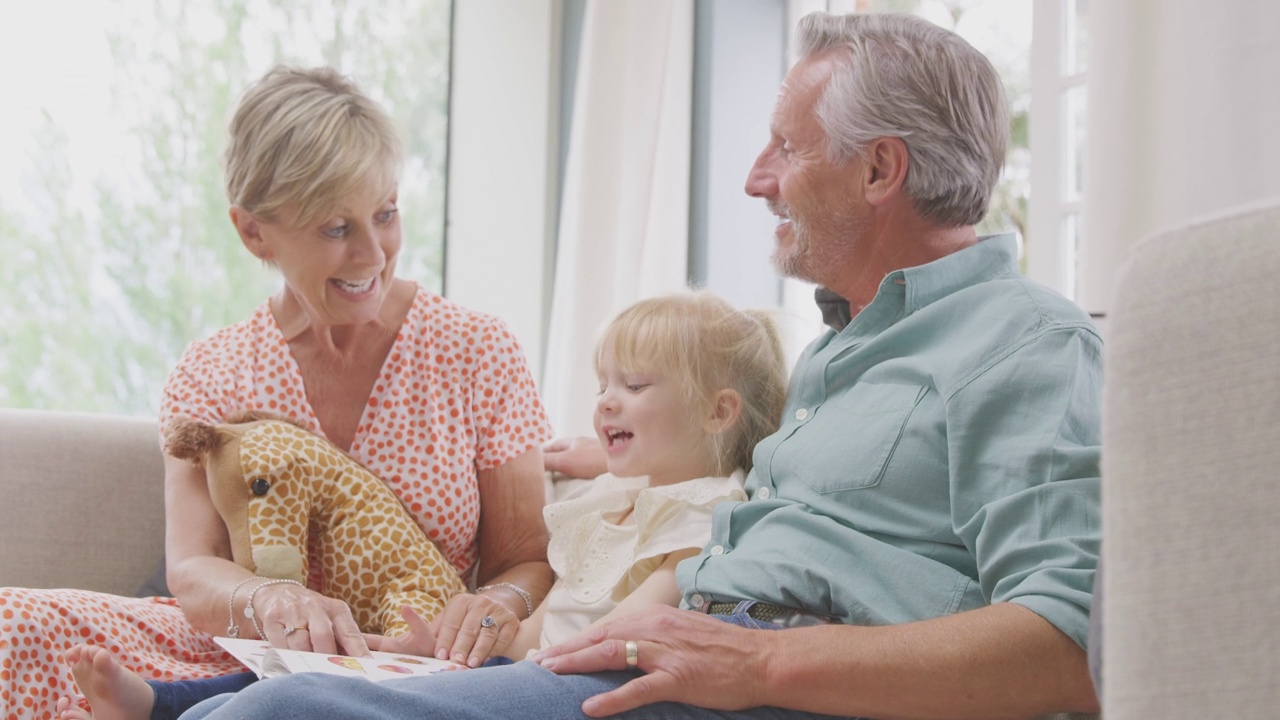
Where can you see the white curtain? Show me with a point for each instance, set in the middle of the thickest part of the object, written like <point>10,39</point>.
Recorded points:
<point>1183,122</point>
<point>624,216</point>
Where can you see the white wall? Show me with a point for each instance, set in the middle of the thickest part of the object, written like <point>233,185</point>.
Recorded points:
<point>504,162</point>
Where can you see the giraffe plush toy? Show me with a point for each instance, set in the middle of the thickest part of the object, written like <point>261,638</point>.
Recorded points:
<point>275,484</point>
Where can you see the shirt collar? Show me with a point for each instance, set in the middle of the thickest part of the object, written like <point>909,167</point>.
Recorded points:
<point>921,285</point>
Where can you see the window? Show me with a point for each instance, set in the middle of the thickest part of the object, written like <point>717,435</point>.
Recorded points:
<point>116,246</point>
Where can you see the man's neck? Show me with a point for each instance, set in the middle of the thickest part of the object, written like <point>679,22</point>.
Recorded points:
<point>895,248</point>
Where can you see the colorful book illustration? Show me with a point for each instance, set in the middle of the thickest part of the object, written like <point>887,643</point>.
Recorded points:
<point>266,661</point>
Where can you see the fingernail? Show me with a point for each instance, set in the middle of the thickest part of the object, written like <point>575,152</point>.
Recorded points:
<point>442,654</point>
<point>548,663</point>
<point>473,662</point>
<point>537,657</point>
<point>459,659</point>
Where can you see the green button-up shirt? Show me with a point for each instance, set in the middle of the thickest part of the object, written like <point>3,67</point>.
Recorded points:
<point>937,455</point>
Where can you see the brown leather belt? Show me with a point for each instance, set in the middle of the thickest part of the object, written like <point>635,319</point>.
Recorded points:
<point>770,613</point>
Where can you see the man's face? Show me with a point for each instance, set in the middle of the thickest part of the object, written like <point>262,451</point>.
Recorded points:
<point>817,202</point>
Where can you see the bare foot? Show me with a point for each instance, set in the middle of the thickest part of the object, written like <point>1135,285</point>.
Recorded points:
<point>68,709</point>
<point>114,693</point>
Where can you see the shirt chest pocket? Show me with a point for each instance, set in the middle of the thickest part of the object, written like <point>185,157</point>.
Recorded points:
<point>850,440</point>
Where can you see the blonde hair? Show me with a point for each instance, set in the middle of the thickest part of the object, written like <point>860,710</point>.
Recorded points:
<point>306,137</point>
<point>706,345</point>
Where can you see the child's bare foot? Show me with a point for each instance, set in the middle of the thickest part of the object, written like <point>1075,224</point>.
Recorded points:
<point>114,693</point>
<point>67,709</point>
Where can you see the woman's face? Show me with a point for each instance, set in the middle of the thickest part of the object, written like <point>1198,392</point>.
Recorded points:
<point>339,267</point>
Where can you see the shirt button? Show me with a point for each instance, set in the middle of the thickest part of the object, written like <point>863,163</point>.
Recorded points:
<point>802,413</point>
<point>763,493</point>
<point>717,550</point>
<point>696,600</point>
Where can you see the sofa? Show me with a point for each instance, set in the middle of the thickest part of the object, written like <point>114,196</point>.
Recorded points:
<point>81,501</point>
<point>1191,475</point>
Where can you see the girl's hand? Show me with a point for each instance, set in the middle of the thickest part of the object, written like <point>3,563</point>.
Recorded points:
<point>297,618</point>
<point>420,640</point>
<point>463,634</point>
<point>575,457</point>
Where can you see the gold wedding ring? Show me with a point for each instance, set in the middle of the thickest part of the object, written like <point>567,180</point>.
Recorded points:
<point>289,629</point>
<point>633,654</point>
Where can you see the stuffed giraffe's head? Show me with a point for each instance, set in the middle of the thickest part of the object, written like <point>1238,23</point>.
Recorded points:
<point>248,464</point>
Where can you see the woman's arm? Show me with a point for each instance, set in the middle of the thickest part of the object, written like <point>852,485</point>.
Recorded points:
<point>513,549</point>
<point>202,577</point>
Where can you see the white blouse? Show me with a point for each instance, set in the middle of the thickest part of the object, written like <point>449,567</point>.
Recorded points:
<point>609,538</point>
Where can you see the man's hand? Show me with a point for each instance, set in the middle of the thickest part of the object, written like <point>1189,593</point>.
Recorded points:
<point>576,457</point>
<point>687,657</point>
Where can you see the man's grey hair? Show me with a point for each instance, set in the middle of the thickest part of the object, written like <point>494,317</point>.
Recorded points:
<point>902,76</point>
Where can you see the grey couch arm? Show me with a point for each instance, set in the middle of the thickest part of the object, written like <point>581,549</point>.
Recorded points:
<point>81,501</point>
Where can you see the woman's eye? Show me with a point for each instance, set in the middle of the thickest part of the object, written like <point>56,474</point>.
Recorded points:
<point>387,215</point>
<point>336,232</point>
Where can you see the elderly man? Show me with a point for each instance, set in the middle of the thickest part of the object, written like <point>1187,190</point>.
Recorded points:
<point>922,532</point>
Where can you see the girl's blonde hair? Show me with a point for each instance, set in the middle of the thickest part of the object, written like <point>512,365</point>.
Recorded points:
<point>706,345</point>
<point>306,137</point>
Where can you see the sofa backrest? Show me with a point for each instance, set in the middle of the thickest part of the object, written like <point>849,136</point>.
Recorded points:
<point>81,501</point>
<point>1190,462</point>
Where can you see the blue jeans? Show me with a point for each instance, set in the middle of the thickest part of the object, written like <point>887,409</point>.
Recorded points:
<point>522,690</point>
<point>174,698</point>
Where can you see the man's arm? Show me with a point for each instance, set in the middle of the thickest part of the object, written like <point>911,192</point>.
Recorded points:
<point>995,662</point>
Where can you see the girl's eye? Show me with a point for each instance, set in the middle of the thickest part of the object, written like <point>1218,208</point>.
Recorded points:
<point>634,387</point>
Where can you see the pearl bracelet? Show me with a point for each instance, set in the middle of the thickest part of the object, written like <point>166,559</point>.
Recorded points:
<point>250,613</point>
<point>524,594</point>
<point>233,628</point>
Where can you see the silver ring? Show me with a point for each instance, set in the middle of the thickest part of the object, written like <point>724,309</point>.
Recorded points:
<point>289,629</point>
<point>487,622</point>
<point>633,654</point>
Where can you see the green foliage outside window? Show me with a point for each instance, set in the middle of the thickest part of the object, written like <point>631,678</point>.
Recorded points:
<point>104,280</point>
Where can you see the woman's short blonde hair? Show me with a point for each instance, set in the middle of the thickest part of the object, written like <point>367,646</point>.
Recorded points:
<point>707,345</point>
<point>306,137</point>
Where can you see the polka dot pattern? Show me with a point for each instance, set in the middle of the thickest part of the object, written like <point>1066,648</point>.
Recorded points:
<point>454,396</point>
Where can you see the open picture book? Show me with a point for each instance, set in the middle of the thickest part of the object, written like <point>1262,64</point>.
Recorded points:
<point>266,661</point>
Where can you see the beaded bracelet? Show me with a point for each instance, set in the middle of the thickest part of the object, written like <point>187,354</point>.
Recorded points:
<point>524,594</point>
<point>233,628</point>
<point>250,613</point>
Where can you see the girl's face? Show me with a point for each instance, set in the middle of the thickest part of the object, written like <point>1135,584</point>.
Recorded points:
<point>648,427</point>
<point>340,267</point>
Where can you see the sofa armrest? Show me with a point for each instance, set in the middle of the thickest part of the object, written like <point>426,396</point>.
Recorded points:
<point>83,500</point>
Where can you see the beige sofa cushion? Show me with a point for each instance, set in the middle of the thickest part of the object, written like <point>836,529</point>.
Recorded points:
<point>81,500</point>
<point>1191,456</point>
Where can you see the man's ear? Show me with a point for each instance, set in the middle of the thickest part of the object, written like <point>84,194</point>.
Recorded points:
<point>250,231</point>
<point>726,406</point>
<point>885,169</point>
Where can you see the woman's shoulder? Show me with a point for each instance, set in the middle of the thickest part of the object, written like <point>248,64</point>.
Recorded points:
<point>445,323</point>
<point>228,345</point>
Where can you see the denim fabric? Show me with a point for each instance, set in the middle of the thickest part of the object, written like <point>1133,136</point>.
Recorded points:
<point>176,697</point>
<point>521,690</point>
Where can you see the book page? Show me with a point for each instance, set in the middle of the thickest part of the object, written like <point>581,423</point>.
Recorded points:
<point>266,662</point>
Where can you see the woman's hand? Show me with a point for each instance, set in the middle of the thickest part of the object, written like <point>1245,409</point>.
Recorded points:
<point>575,457</point>
<point>473,628</point>
<point>294,617</point>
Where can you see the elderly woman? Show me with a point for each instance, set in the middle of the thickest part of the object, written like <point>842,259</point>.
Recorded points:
<point>433,398</point>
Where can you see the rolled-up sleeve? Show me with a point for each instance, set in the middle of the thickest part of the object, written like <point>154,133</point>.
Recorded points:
<point>1024,441</point>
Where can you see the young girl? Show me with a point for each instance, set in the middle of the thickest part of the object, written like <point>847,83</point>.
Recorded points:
<point>688,386</point>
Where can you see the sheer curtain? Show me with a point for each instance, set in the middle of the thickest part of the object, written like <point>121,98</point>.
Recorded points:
<point>624,216</point>
<point>1182,122</point>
